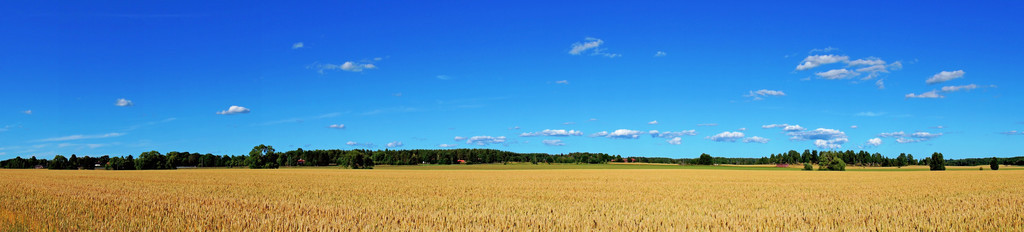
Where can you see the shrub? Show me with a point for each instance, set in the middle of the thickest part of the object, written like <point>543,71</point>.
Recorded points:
<point>808,167</point>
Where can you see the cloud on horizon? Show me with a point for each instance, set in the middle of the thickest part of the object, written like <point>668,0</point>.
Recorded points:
<point>553,142</point>
<point>78,137</point>
<point>549,132</point>
<point>619,134</point>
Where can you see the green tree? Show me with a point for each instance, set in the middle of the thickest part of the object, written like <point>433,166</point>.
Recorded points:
<point>59,162</point>
<point>901,160</point>
<point>937,163</point>
<point>994,164</point>
<point>72,162</point>
<point>152,160</point>
<point>356,160</point>
<point>808,167</point>
<point>831,162</point>
<point>705,159</point>
<point>260,157</point>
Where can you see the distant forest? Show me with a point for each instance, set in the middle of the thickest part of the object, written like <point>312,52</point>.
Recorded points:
<point>263,156</point>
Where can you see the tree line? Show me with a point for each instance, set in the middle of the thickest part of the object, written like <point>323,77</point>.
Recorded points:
<point>263,156</point>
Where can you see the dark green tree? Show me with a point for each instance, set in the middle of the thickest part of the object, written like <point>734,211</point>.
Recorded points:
<point>59,162</point>
<point>152,160</point>
<point>72,162</point>
<point>705,159</point>
<point>262,156</point>
<point>901,160</point>
<point>831,162</point>
<point>356,160</point>
<point>994,164</point>
<point>937,163</point>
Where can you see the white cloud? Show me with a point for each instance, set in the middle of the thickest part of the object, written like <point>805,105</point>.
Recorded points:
<point>892,134</point>
<point>870,114</point>
<point>770,126</point>
<point>660,54</point>
<point>945,76</point>
<point>89,145</point>
<point>929,94</point>
<point>726,136</point>
<point>350,66</point>
<point>837,74</point>
<point>853,127</point>
<point>553,142</point>
<point>443,77</point>
<point>755,139</point>
<point>828,49</point>
<point>794,128</point>
<point>674,141</point>
<point>873,68</point>
<point>959,87</point>
<point>829,144</point>
<point>823,138</point>
<point>459,138</point>
<point>742,129</point>
<point>619,134</point>
<point>77,137</point>
<point>395,144</point>
<point>29,112</point>
<point>870,61</point>
<point>873,142</point>
<point>670,134</point>
<point>446,145</point>
<point>568,123</point>
<point>655,122</point>
<point>911,138</point>
<point>880,83</point>
<point>580,47</point>
<point>355,144</point>
<point>123,102</point>
<point>549,132</point>
<point>297,45</point>
<point>564,82</point>
<point>707,124</point>
<point>234,110</point>
<point>337,126</point>
<point>485,140</point>
<point>818,60</point>
<point>301,119</point>
<point>1013,132</point>
<point>925,135</point>
<point>896,65</point>
<point>593,45</point>
<point>764,92</point>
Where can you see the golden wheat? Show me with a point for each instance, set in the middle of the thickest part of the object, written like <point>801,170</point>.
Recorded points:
<point>534,200</point>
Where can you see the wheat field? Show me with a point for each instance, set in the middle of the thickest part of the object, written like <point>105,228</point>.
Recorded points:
<point>519,200</point>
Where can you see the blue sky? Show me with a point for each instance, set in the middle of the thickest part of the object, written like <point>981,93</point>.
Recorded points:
<point>743,79</point>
